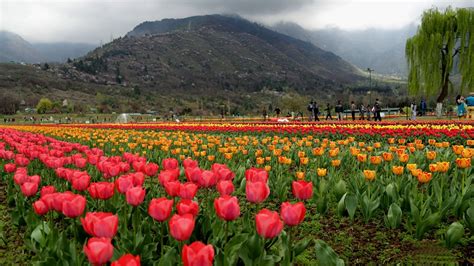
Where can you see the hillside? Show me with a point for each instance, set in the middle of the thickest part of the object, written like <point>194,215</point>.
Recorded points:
<point>213,53</point>
<point>13,48</point>
<point>379,49</point>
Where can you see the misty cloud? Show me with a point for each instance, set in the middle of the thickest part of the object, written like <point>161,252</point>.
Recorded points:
<point>95,21</point>
<point>245,7</point>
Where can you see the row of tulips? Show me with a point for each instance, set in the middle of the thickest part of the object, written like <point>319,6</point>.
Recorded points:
<point>72,197</point>
<point>395,180</point>
<point>446,129</point>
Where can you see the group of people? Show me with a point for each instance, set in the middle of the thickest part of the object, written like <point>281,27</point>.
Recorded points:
<point>365,111</point>
<point>462,104</point>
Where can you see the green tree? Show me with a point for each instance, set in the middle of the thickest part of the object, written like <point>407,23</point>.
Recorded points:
<point>442,39</point>
<point>44,105</point>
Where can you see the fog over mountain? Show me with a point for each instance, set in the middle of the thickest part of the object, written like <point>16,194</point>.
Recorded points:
<point>13,48</point>
<point>380,49</point>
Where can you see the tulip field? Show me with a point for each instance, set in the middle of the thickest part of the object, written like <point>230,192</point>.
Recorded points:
<point>237,193</point>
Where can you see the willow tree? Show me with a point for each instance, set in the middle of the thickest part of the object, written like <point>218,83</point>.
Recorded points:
<point>444,42</point>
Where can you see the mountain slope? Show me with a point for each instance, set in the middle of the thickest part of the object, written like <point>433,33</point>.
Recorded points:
<point>60,51</point>
<point>212,53</point>
<point>14,48</point>
<point>382,50</point>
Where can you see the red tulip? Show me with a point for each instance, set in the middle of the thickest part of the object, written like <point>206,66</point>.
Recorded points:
<point>208,179</point>
<point>127,260</point>
<point>187,190</point>
<point>292,214</point>
<point>138,179</point>
<point>100,224</point>
<point>170,164</point>
<point>302,190</point>
<point>124,183</point>
<point>74,207</point>
<point>47,190</point>
<point>224,173</point>
<point>40,207</point>
<point>80,162</point>
<point>81,183</point>
<point>256,174</point>
<point>135,196</point>
<point>268,223</point>
<point>99,250</point>
<point>190,163</point>
<point>112,169</point>
<point>167,176</point>
<point>56,200</point>
<point>187,206</point>
<point>193,174</point>
<point>257,191</point>
<point>29,189</point>
<point>139,166</point>
<point>160,209</point>
<point>9,167</point>
<point>181,226</point>
<point>124,167</point>
<point>101,190</point>
<point>225,187</point>
<point>172,188</point>
<point>198,254</point>
<point>151,169</point>
<point>227,207</point>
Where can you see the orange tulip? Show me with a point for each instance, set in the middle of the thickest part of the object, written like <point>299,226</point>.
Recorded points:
<point>397,170</point>
<point>443,167</point>
<point>369,175</point>
<point>268,168</point>
<point>470,142</point>
<point>387,156</point>
<point>260,160</point>
<point>300,175</point>
<point>433,167</point>
<point>375,160</point>
<point>411,166</point>
<point>322,171</point>
<point>377,145</point>
<point>211,158</point>
<point>416,172</point>
<point>431,141</point>
<point>463,162</point>
<point>361,157</point>
<point>403,157</point>
<point>354,151</point>
<point>334,152</point>
<point>336,163</point>
<point>458,149</point>
<point>401,141</point>
<point>424,177</point>
<point>391,140</point>
<point>431,155</point>
<point>318,151</point>
<point>304,160</point>
<point>467,152</point>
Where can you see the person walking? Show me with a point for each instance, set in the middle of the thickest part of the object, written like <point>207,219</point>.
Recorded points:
<point>361,111</point>
<point>460,106</point>
<point>413,111</point>
<point>339,109</point>
<point>423,107</point>
<point>353,110</point>
<point>368,109</point>
<point>328,112</point>
<point>377,110</point>
<point>277,112</point>
<point>312,111</point>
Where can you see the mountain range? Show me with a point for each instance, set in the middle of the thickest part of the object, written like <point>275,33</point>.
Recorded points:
<point>380,49</point>
<point>205,62</point>
<point>13,48</point>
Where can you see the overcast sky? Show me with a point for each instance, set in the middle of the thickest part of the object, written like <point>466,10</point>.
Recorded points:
<point>94,21</point>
